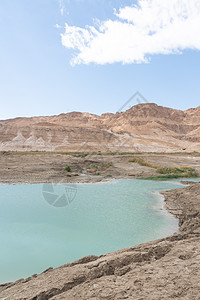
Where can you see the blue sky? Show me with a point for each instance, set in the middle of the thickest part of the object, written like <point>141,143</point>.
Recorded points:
<point>37,77</point>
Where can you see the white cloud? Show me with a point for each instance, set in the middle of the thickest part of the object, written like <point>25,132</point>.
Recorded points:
<point>139,31</point>
<point>62,6</point>
<point>58,26</point>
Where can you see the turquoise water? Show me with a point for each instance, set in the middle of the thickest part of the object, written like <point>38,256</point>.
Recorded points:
<point>101,218</point>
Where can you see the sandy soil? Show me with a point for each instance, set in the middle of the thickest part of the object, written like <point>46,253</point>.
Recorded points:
<point>42,168</point>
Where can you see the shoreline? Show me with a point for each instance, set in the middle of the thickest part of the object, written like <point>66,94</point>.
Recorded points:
<point>163,263</point>
<point>158,207</point>
<point>166,268</point>
<point>101,180</point>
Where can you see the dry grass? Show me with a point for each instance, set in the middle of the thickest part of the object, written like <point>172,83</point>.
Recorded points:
<point>166,173</point>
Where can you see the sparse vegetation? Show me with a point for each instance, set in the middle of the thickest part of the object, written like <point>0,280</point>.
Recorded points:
<point>167,173</point>
<point>81,154</point>
<point>108,175</point>
<point>143,162</point>
<point>84,154</point>
<point>165,177</point>
<point>92,166</point>
<point>67,169</point>
<point>101,167</point>
<point>105,165</point>
<point>122,153</point>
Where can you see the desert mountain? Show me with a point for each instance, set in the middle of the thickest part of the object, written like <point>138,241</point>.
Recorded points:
<point>143,127</point>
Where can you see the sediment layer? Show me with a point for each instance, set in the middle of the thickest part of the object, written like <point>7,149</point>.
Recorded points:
<point>144,127</point>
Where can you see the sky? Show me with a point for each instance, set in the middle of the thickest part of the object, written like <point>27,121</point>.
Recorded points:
<point>58,56</point>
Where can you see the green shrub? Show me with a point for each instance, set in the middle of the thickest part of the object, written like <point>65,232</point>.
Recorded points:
<point>160,177</point>
<point>67,169</point>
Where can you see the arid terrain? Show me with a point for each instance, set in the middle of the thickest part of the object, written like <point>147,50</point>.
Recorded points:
<point>164,269</point>
<point>49,167</point>
<point>144,128</point>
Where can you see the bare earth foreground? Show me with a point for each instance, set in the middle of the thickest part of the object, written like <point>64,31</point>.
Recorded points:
<point>168,268</point>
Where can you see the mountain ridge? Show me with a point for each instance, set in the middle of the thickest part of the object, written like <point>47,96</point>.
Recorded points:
<point>144,127</point>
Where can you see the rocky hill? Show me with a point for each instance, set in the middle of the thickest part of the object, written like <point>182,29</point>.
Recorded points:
<point>144,127</point>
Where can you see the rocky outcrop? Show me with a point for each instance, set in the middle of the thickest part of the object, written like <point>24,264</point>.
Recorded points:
<point>164,269</point>
<point>144,127</point>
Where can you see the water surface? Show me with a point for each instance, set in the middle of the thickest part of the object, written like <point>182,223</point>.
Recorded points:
<point>35,235</point>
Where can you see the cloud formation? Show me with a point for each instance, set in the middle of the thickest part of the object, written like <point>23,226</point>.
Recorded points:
<point>138,32</point>
<point>62,6</point>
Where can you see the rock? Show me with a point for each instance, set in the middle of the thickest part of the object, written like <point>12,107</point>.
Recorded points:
<point>144,128</point>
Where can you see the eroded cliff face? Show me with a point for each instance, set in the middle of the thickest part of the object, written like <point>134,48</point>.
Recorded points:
<point>144,127</point>
<point>163,269</point>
